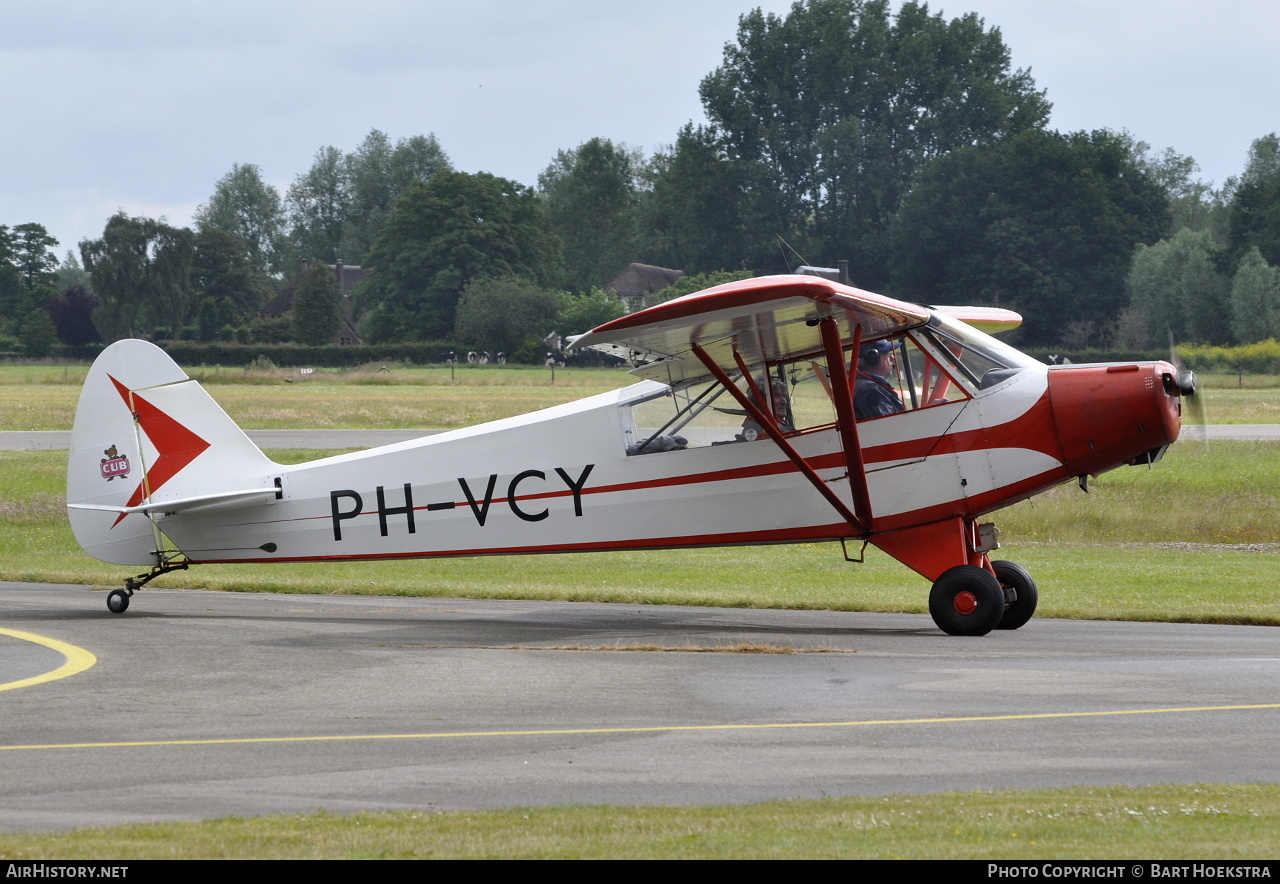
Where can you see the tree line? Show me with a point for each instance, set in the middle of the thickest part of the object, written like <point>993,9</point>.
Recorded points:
<point>902,142</point>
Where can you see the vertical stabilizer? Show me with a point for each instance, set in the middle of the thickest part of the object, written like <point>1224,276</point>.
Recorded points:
<point>145,433</point>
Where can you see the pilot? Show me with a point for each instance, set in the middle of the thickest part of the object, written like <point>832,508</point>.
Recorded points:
<point>873,396</point>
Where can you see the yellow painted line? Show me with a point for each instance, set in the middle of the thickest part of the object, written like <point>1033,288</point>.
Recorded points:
<point>639,730</point>
<point>78,659</point>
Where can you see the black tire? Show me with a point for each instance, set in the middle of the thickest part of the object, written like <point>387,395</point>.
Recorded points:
<point>1017,611</point>
<point>117,601</point>
<point>966,600</point>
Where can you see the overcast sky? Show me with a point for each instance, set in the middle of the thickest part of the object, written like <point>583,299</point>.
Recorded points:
<point>143,106</point>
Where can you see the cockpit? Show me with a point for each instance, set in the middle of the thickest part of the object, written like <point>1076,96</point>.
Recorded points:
<point>940,363</point>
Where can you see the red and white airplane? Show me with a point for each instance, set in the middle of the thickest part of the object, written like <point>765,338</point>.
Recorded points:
<point>743,430</point>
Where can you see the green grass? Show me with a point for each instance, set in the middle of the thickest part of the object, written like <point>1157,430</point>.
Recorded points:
<point>44,397</point>
<point>1168,822</point>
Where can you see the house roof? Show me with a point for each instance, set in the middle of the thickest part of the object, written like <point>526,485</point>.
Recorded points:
<point>638,280</point>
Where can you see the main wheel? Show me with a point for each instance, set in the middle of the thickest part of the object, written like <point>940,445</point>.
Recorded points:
<point>1020,594</point>
<point>966,600</point>
<point>117,601</point>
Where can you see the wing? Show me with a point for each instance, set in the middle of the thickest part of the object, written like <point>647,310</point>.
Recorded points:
<point>771,318</point>
<point>991,320</point>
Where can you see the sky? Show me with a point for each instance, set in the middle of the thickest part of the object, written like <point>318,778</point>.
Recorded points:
<point>141,106</point>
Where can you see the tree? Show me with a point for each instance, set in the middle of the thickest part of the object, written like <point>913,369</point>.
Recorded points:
<point>316,313</point>
<point>1042,223</point>
<point>1192,202</point>
<point>248,208</point>
<point>34,259</point>
<point>141,271</point>
<point>693,218</point>
<point>1255,299</point>
<point>38,334</point>
<point>71,273</point>
<point>831,112</point>
<point>1175,288</point>
<point>444,233</point>
<point>228,289</point>
<point>690,283</point>
<point>27,277</point>
<point>72,315</point>
<point>1253,215</point>
<point>338,207</point>
<point>317,203</point>
<point>13,295</point>
<point>577,314</point>
<point>499,314</point>
<point>592,201</point>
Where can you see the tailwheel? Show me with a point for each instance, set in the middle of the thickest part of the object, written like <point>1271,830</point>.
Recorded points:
<point>118,601</point>
<point>1020,594</point>
<point>966,600</point>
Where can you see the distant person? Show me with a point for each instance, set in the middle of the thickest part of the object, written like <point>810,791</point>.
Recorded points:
<point>873,395</point>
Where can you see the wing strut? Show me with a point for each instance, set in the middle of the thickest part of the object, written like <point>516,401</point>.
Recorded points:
<point>862,526</point>
<point>842,386</point>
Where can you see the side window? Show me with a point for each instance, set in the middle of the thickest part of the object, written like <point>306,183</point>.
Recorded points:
<point>924,380</point>
<point>893,375</point>
<point>897,375</point>
<point>809,386</point>
<point>690,417</point>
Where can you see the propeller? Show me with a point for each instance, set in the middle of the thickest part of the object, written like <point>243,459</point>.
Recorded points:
<point>1186,380</point>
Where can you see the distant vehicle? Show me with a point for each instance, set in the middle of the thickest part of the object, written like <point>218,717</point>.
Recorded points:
<point>742,430</point>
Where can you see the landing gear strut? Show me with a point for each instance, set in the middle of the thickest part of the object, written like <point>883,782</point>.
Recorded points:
<point>118,599</point>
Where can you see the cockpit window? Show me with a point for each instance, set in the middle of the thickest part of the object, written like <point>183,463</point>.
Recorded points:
<point>799,393</point>
<point>984,361</point>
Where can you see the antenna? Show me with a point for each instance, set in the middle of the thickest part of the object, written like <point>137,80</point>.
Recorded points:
<point>793,251</point>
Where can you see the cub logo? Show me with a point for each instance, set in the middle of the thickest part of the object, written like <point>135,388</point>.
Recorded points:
<point>114,464</point>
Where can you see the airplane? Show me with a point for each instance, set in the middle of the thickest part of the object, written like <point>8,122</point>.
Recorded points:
<point>743,428</point>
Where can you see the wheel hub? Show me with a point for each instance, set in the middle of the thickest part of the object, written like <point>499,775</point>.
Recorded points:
<point>964,603</point>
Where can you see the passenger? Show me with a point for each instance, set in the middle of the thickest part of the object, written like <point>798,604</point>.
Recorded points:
<point>873,396</point>
<point>751,429</point>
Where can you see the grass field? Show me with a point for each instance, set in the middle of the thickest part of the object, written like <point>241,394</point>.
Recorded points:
<point>44,397</point>
<point>1170,823</point>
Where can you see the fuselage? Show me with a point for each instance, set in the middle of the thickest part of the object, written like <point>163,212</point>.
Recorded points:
<point>561,480</point>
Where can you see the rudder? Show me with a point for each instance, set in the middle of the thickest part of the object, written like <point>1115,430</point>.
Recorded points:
<point>145,432</point>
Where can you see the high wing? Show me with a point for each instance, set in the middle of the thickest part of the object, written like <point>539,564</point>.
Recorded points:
<point>768,319</point>
<point>991,320</point>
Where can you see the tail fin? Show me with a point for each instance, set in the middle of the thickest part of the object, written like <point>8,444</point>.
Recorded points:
<point>147,439</point>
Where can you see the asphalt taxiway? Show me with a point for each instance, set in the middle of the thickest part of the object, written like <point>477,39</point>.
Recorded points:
<point>199,704</point>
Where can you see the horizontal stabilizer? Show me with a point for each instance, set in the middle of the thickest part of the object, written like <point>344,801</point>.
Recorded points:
<point>224,499</point>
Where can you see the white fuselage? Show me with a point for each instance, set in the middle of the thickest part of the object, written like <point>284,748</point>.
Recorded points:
<point>560,480</point>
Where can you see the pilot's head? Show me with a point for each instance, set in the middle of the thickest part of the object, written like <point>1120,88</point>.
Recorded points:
<point>875,355</point>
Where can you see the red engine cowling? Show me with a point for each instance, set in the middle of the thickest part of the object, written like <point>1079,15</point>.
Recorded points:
<point>1109,415</point>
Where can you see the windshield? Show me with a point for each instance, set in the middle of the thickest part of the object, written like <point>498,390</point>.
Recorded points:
<point>984,360</point>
